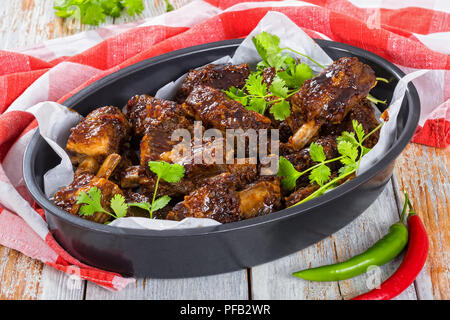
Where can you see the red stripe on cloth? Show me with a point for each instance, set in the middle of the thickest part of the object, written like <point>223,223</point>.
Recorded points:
<point>70,265</point>
<point>12,62</point>
<point>434,133</point>
<point>390,46</point>
<point>102,278</point>
<point>14,84</point>
<point>224,4</point>
<point>15,233</point>
<point>410,19</point>
<point>12,125</point>
<point>115,50</point>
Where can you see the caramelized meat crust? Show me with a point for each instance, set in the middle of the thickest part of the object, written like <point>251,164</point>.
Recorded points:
<point>364,113</point>
<point>334,92</point>
<point>260,198</point>
<point>301,160</point>
<point>216,110</point>
<point>216,199</point>
<point>66,198</point>
<point>300,194</point>
<point>156,120</point>
<point>329,97</point>
<point>100,133</point>
<point>148,113</point>
<point>220,77</point>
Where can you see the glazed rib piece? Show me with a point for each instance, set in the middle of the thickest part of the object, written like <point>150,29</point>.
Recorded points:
<point>260,198</point>
<point>85,179</point>
<point>221,77</point>
<point>197,172</point>
<point>301,160</point>
<point>329,97</point>
<point>148,113</point>
<point>155,120</point>
<point>215,110</point>
<point>364,113</point>
<point>300,194</point>
<point>100,133</point>
<point>218,199</point>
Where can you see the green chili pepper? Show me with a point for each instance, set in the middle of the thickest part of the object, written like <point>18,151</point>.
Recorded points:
<point>383,251</point>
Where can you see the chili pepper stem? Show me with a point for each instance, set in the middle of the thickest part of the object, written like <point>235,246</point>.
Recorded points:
<point>405,207</point>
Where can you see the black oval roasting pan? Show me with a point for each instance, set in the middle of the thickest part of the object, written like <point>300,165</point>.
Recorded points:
<point>228,247</point>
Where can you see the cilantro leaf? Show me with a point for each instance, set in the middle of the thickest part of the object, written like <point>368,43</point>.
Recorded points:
<point>92,14</point>
<point>168,172</point>
<point>268,47</point>
<point>266,44</point>
<point>157,204</point>
<point>287,171</point>
<point>112,8</point>
<point>143,205</point>
<point>134,7</point>
<point>316,152</point>
<point>169,6</point>
<point>237,94</point>
<point>281,110</point>
<point>358,129</point>
<point>348,149</point>
<point>91,202</point>
<point>258,105</point>
<point>95,11</point>
<point>296,75</point>
<point>349,167</point>
<point>160,203</point>
<point>320,174</point>
<point>349,137</point>
<point>119,206</point>
<point>255,85</point>
<point>278,87</point>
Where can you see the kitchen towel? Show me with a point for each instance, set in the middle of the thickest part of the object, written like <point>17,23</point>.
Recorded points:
<point>412,34</point>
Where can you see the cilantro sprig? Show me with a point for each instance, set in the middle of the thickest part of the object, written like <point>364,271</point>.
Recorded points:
<point>268,47</point>
<point>289,78</point>
<point>351,150</point>
<point>171,173</point>
<point>91,203</point>
<point>257,97</point>
<point>95,11</point>
<point>91,200</point>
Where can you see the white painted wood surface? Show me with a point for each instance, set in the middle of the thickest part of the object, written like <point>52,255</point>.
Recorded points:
<point>422,171</point>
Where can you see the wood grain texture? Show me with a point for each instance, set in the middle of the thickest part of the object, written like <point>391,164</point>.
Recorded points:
<point>424,173</point>
<point>29,22</point>
<point>224,286</point>
<point>27,279</point>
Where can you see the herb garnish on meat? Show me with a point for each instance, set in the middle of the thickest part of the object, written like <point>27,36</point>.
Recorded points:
<point>351,150</point>
<point>289,78</point>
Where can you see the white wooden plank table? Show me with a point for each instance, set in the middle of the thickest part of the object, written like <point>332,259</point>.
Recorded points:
<point>420,170</point>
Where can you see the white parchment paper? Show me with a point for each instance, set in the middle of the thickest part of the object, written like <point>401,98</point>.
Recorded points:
<point>55,120</point>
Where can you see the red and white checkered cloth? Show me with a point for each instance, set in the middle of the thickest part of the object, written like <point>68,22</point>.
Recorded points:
<point>412,37</point>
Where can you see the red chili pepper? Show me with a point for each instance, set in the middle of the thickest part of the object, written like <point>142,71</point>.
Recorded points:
<point>412,263</point>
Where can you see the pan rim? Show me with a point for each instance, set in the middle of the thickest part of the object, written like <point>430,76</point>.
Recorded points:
<point>306,208</point>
